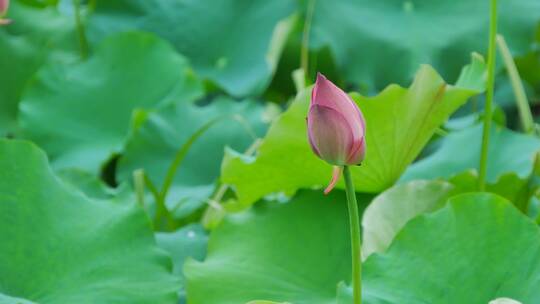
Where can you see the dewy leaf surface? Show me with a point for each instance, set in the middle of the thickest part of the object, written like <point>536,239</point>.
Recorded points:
<point>295,252</point>
<point>399,123</point>
<point>188,242</point>
<point>508,151</point>
<point>61,247</point>
<point>80,113</point>
<point>153,145</point>
<point>383,41</point>
<point>236,44</point>
<point>477,248</point>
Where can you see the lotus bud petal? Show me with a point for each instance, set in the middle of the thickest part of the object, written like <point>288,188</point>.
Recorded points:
<point>4,5</point>
<point>336,126</point>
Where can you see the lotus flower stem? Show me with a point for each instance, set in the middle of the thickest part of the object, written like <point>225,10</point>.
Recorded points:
<point>489,95</point>
<point>525,114</point>
<point>336,134</point>
<point>83,43</point>
<point>354,222</point>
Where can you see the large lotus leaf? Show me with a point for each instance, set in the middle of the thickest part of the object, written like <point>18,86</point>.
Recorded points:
<point>80,112</point>
<point>265,253</point>
<point>152,145</point>
<point>236,44</point>
<point>293,252</point>
<point>399,123</point>
<point>58,246</point>
<point>381,42</point>
<point>33,36</point>
<point>476,249</point>
<point>508,151</point>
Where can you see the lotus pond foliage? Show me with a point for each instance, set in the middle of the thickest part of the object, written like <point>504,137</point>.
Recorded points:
<point>269,152</point>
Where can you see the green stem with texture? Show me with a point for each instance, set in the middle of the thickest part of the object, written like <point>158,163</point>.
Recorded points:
<point>489,95</point>
<point>354,222</point>
<point>525,114</point>
<point>83,42</point>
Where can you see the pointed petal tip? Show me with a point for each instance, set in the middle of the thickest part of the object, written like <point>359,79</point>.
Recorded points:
<point>320,77</point>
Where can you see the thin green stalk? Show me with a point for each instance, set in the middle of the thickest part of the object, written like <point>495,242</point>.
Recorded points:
<point>304,55</point>
<point>138,183</point>
<point>354,222</point>
<point>527,121</point>
<point>489,95</point>
<point>83,42</point>
<point>153,189</point>
<point>161,209</point>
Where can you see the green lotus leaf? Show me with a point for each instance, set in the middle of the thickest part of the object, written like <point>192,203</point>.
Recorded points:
<point>36,36</point>
<point>233,43</point>
<point>80,112</point>
<point>399,123</point>
<point>508,151</point>
<point>293,252</point>
<point>392,209</point>
<point>381,42</point>
<point>478,239</point>
<point>60,247</point>
<point>267,253</point>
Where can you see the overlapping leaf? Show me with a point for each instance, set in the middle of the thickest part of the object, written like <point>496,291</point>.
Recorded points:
<point>80,112</point>
<point>234,43</point>
<point>477,248</point>
<point>477,240</point>
<point>60,247</point>
<point>399,123</point>
<point>392,209</point>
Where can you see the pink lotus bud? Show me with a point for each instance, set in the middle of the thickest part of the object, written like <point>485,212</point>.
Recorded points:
<point>4,5</point>
<point>336,127</point>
